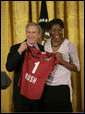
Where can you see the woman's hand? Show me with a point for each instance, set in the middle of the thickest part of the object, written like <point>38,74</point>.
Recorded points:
<point>59,56</point>
<point>66,64</point>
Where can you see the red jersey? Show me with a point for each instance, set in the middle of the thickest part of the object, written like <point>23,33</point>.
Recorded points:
<point>36,68</point>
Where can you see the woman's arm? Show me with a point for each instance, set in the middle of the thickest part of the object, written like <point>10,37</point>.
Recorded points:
<point>66,64</point>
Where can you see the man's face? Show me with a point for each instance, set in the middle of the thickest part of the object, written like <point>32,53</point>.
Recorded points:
<point>56,32</point>
<point>32,34</point>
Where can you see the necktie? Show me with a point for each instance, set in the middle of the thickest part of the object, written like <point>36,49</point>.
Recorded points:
<point>34,46</point>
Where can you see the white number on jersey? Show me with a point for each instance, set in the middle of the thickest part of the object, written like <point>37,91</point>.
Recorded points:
<point>35,67</point>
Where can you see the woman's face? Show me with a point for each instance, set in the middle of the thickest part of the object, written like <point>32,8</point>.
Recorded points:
<point>56,32</point>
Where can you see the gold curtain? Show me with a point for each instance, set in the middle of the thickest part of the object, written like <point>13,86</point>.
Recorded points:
<point>14,17</point>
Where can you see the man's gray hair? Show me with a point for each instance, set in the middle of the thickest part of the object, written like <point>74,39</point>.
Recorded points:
<point>34,24</point>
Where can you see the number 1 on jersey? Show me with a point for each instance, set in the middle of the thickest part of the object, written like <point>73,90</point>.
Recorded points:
<point>35,67</point>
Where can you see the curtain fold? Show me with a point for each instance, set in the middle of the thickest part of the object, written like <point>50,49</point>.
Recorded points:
<point>6,42</point>
<point>15,15</point>
<point>81,35</point>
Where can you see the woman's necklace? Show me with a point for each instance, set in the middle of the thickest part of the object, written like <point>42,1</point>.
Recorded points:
<point>55,45</point>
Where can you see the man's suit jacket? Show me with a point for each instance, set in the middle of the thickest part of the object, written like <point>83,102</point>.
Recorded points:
<point>14,63</point>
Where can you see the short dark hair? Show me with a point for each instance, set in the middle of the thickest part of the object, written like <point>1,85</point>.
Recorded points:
<point>56,21</point>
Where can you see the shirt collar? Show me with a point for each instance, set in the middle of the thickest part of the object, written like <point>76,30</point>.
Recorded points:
<point>36,45</point>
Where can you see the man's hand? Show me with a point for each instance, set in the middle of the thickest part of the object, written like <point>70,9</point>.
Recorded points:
<point>23,47</point>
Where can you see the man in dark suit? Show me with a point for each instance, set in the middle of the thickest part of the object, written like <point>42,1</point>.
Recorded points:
<point>14,63</point>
